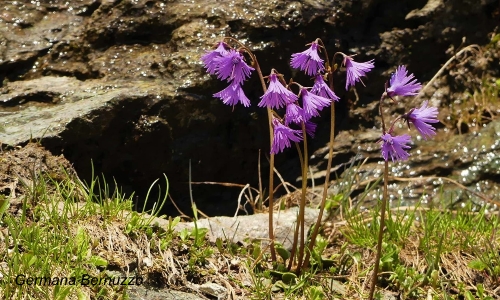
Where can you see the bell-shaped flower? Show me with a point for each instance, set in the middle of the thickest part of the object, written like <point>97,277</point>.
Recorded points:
<point>312,103</point>
<point>282,136</point>
<point>394,147</point>
<point>209,58</point>
<point>276,95</point>
<point>420,117</point>
<point>355,70</point>
<point>402,84</point>
<point>232,67</point>
<point>310,128</point>
<point>232,95</point>
<point>308,60</point>
<point>294,114</point>
<point>322,89</point>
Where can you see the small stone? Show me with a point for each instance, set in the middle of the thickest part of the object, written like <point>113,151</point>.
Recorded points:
<point>214,290</point>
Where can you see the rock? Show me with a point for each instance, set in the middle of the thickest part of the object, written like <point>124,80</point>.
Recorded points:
<point>119,83</point>
<point>244,229</point>
<point>214,290</point>
<point>429,8</point>
<point>141,293</point>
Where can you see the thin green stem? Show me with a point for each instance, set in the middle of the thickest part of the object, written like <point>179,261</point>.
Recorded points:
<point>259,202</point>
<point>314,234</point>
<point>380,111</point>
<point>381,231</point>
<point>296,231</point>
<point>271,138</point>
<point>271,202</point>
<point>302,207</point>
<point>382,210</point>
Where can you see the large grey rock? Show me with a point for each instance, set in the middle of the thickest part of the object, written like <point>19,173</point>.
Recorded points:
<point>245,229</point>
<point>141,293</point>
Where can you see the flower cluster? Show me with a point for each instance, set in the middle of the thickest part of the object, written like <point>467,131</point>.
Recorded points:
<point>402,84</point>
<point>228,64</point>
<point>313,100</point>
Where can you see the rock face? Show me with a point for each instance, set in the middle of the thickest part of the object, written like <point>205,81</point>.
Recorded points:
<point>120,82</point>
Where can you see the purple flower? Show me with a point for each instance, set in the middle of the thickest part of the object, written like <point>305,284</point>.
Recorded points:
<point>394,146</point>
<point>232,95</point>
<point>320,88</point>
<point>355,70</point>
<point>294,114</point>
<point>420,117</point>
<point>308,61</point>
<point>400,84</point>
<point>310,128</point>
<point>312,103</point>
<point>276,95</point>
<point>209,58</point>
<point>232,67</point>
<point>282,136</point>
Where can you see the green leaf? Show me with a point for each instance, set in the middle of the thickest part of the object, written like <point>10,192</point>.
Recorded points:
<point>219,244</point>
<point>4,205</point>
<point>477,264</point>
<point>32,260</point>
<point>256,251</point>
<point>285,254</point>
<point>98,261</point>
<point>62,293</point>
<point>173,222</point>
<point>289,278</point>
<point>468,295</point>
<point>279,286</point>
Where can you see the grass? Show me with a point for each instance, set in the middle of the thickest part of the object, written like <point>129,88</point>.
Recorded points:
<point>62,229</point>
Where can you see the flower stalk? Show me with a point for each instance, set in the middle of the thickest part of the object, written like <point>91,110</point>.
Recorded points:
<point>400,84</point>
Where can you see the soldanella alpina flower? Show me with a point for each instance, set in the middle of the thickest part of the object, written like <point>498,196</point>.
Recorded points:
<point>276,95</point>
<point>310,128</point>
<point>282,136</point>
<point>420,117</point>
<point>232,67</point>
<point>394,146</point>
<point>208,58</point>
<point>308,60</point>
<point>312,103</point>
<point>294,114</point>
<point>232,95</point>
<point>402,84</point>
<point>320,88</point>
<point>355,70</point>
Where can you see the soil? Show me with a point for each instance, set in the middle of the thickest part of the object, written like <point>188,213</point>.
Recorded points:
<point>20,164</point>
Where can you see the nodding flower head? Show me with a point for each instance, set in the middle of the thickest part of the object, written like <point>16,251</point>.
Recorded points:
<point>394,146</point>
<point>276,95</point>
<point>402,84</point>
<point>320,88</point>
<point>232,67</point>
<point>308,60</point>
<point>232,95</point>
<point>312,103</point>
<point>294,114</point>
<point>420,117</point>
<point>355,70</point>
<point>209,57</point>
<point>310,128</point>
<point>282,136</point>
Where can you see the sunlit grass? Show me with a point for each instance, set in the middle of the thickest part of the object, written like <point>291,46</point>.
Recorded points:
<point>64,229</point>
